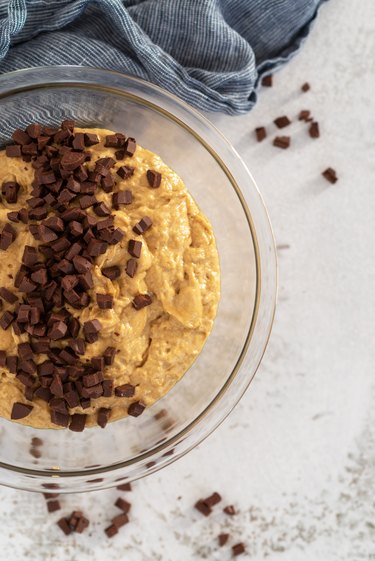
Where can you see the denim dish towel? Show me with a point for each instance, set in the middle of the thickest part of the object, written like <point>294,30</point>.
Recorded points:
<point>211,53</point>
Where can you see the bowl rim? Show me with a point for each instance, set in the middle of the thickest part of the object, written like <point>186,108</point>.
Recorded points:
<point>169,443</point>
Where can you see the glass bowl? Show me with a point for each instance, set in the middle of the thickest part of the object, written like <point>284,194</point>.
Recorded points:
<point>224,189</point>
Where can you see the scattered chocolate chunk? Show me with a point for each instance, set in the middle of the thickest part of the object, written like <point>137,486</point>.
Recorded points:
<point>260,133</point>
<point>304,115</point>
<point>238,548</point>
<point>124,487</point>
<point>203,508</point>
<point>111,531</point>
<point>7,295</point>
<point>121,198</point>
<point>131,267</point>
<point>330,175</point>
<point>267,81</point>
<point>103,416</point>
<point>91,330</point>
<point>282,122</point>
<point>143,225</point>
<point>20,410</point>
<point>82,524</point>
<point>305,87</point>
<point>120,520</point>
<point>282,142</point>
<point>77,423</point>
<point>105,301</point>
<point>111,273</point>
<point>126,390</point>
<point>222,539</point>
<point>314,130</point>
<point>141,301</point>
<point>153,178</point>
<point>123,505</point>
<point>230,510</point>
<point>135,248</point>
<point>64,526</point>
<point>135,409</point>
<point>213,499</point>
<point>52,506</point>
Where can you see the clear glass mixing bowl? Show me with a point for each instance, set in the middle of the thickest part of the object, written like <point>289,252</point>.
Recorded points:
<point>224,189</point>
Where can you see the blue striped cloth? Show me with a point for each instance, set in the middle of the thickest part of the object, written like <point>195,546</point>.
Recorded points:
<point>211,53</point>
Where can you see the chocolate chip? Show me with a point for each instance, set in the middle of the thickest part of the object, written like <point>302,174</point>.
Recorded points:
<point>126,390</point>
<point>203,508</point>
<point>77,423</point>
<point>238,548</point>
<point>101,209</point>
<point>13,216</point>
<point>282,142</point>
<point>107,388</point>
<point>330,175</point>
<point>10,191</point>
<point>135,409</point>
<point>93,379</point>
<point>40,276</point>
<point>260,133</point>
<point>79,141</point>
<point>153,178</point>
<point>124,487</point>
<point>68,124</point>
<point>111,531</point>
<point>314,130</point>
<point>143,225</point>
<point>120,520</point>
<point>6,320</point>
<point>91,330</point>
<point>107,183</point>
<point>57,330</point>
<point>109,355</point>
<point>103,416</point>
<point>71,160</point>
<point>81,525</point>
<point>121,198</point>
<point>96,247</point>
<point>230,510</point>
<point>122,504</point>
<point>34,130</point>
<point>64,526</point>
<point>304,115</point>
<point>114,140</point>
<point>125,172</point>
<point>60,419</point>
<point>52,506</point>
<point>105,301</point>
<point>111,273</point>
<point>141,301</point>
<point>305,87</point>
<point>93,392</point>
<point>20,410</point>
<point>213,499</point>
<point>222,539</point>
<point>131,267</point>
<point>20,137</point>
<point>120,154</point>
<point>12,363</point>
<point>267,81</point>
<point>130,146</point>
<point>282,122</point>
<point>13,151</point>
<point>135,248</point>
<point>7,295</point>
<point>91,139</point>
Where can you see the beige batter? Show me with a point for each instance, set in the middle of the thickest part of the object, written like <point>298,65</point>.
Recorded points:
<point>178,264</point>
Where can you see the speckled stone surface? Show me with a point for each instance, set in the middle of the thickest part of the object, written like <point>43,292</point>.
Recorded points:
<point>297,456</point>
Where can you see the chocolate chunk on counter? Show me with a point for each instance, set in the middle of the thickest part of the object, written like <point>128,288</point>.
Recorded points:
<point>238,549</point>
<point>64,526</point>
<point>111,531</point>
<point>123,505</point>
<point>213,499</point>
<point>153,178</point>
<point>203,508</point>
<point>282,142</point>
<point>330,175</point>
<point>282,122</point>
<point>135,248</point>
<point>222,539</point>
<point>143,225</point>
<point>120,520</point>
<point>53,506</point>
<point>260,133</point>
<point>126,390</point>
<point>20,410</point>
<point>314,131</point>
<point>104,301</point>
<point>267,81</point>
<point>124,487</point>
<point>141,301</point>
<point>304,115</point>
<point>135,409</point>
<point>305,87</point>
<point>230,510</point>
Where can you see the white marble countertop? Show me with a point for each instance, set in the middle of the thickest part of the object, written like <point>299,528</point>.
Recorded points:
<point>297,456</point>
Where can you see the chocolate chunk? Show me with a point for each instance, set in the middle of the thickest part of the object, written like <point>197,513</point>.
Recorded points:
<point>81,264</point>
<point>125,172</point>
<point>121,198</point>
<point>46,235</point>
<point>42,142</point>
<point>79,141</point>
<point>103,416</point>
<point>60,419</point>
<point>64,526</point>
<point>93,379</point>
<point>213,499</point>
<point>13,216</point>
<point>260,133</point>
<point>120,520</point>
<point>38,213</point>
<point>96,247</point>
<point>98,362</point>
<point>124,487</point>
<point>12,363</point>
<point>75,229</point>
<point>10,191</point>
<point>222,539</point>
<point>77,423</point>
<point>20,137</point>
<point>120,154</point>
<point>282,142</point>
<point>153,178</point>
<point>68,124</point>
<point>81,525</point>
<point>26,379</point>
<point>111,531</point>
<point>107,223</point>
<point>203,508</point>
<point>28,366</point>
<point>88,188</point>
<point>56,387</point>
<point>101,209</point>
<point>2,359</point>
<point>143,225</point>
<point>85,403</point>
<point>330,175</point>
<point>107,183</point>
<point>86,280</point>
<point>71,160</point>
<point>109,355</point>
<point>52,506</point>
<point>93,392</point>
<point>282,122</point>
<point>20,410</point>
<point>131,267</point>
<point>130,146</point>
<point>6,319</point>
<point>267,81</point>
<point>238,548</point>
<point>91,139</point>
<point>8,235</point>
<point>230,510</point>
<point>25,351</point>
<point>87,200</point>
<point>23,215</point>
<point>314,130</point>
<point>111,273</point>
<point>34,130</point>
<point>304,115</point>
<point>91,330</point>
<point>13,151</point>
<point>126,390</point>
<point>141,301</point>
<point>122,504</point>
<point>135,409</point>
<point>114,140</point>
<point>40,276</point>
<point>57,330</point>
<point>7,295</point>
<point>135,248</point>
<point>30,149</point>
<point>305,87</point>
<point>72,398</point>
<point>105,301</point>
